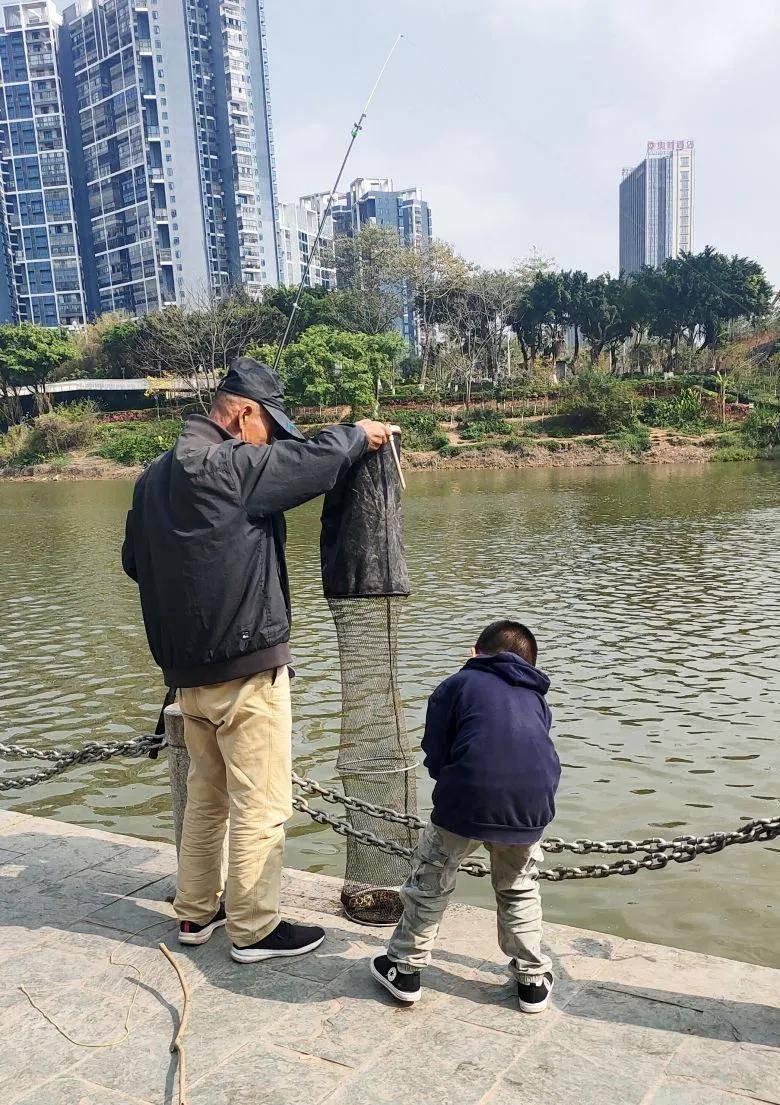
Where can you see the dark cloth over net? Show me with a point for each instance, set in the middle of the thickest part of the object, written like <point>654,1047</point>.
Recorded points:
<point>366,583</point>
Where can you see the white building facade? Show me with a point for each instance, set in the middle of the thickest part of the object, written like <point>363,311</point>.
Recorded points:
<point>298,223</point>
<point>657,205</point>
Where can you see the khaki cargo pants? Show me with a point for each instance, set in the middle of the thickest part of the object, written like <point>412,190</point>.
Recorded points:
<point>238,735</point>
<point>432,881</point>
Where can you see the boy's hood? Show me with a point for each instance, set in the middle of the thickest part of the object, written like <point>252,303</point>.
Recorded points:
<point>512,669</point>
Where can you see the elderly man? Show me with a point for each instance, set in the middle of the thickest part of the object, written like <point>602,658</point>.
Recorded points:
<point>205,540</point>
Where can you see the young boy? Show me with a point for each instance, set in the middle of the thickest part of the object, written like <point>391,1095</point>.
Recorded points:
<point>488,748</point>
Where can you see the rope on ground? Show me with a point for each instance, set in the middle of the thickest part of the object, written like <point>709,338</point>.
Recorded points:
<point>176,1044</point>
<point>114,963</point>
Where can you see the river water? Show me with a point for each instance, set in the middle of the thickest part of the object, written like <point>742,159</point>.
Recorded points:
<point>654,595</point>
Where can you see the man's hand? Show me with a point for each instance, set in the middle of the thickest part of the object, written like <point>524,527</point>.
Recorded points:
<point>378,433</point>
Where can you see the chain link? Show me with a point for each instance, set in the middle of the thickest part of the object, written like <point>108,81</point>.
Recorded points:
<point>62,759</point>
<point>659,852</point>
<point>761,829</point>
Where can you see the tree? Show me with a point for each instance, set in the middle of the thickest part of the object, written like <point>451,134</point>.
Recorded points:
<point>433,272</point>
<point>371,269</point>
<point>107,347</point>
<point>197,346</point>
<point>538,313</point>
<point>474,316</point>
<point>315,307</point>
<point>574,297</point>
<point>30,356</point>
<point>606,318</point>
<point>327,366</point>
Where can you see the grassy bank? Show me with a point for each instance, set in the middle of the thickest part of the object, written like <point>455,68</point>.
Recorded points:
<point>73,443</point>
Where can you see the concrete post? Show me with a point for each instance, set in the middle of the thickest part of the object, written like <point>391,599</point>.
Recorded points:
<point>178,766</point>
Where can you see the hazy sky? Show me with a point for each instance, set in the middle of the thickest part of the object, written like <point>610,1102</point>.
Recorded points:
<point>516,116</point>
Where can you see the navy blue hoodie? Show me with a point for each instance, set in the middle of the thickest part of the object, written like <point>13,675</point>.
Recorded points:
<point>487,744</point>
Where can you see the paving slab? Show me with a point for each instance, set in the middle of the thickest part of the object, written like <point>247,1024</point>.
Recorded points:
<point>84,912</point>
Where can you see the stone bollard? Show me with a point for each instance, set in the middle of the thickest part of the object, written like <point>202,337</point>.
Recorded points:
<point>178,766</point>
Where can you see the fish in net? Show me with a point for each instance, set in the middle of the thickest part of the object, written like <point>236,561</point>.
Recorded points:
<point>366,583</point>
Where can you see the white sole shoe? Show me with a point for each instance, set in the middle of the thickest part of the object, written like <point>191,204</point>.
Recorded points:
<point>399,995</point>
<point>201,937</point>
<point>257,955</point>
<point>538,1006</point>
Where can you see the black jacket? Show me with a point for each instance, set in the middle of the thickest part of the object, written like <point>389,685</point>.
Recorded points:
<point>205,541</point>
<point>488,747</point>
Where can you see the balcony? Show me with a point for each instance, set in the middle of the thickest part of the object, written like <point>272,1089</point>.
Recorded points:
<point>144,45</point>
<point>165,255</point>
<point>153,132</point>
<point>156,172</point>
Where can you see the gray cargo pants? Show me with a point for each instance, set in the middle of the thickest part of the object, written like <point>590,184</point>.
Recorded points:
<point>432,881</point>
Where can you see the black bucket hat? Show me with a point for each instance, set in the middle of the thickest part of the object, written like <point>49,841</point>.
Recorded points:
<point>252,380</point>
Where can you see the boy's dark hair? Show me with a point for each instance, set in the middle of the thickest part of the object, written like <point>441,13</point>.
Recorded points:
<point>508,636</point>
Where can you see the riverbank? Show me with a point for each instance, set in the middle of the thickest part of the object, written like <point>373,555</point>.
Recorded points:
<point>629,1022</point>
<point>583,452</point>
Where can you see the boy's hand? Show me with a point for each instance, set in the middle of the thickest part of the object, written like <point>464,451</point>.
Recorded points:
<point>378,433</point>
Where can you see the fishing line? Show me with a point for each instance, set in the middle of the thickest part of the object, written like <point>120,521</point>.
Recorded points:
<point>356,129</point>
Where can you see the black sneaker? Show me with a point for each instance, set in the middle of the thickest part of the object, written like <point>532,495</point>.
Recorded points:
<point>534,997</point>
<point>190,933</point>
<point>285,940</point>
<point>404,986</point>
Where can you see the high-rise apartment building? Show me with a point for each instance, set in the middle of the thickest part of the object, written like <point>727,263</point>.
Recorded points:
<point>298,224</point>
<point>656,206</point>
<point>171,149</point>
<point>40,273</point>
<point>373,201</point>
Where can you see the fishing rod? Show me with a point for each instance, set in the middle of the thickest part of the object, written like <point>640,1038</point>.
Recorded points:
<point>356,129</point>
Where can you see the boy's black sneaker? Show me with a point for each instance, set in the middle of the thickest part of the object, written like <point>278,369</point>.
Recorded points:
<point>190,933</point>
<point>404,986</point>
<point>534,997</point>
<point>285,940</point>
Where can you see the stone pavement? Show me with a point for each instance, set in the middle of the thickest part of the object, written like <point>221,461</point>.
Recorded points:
<point>632,1023</point>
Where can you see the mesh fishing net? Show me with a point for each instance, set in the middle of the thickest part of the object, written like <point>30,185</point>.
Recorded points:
<point>366,582</point>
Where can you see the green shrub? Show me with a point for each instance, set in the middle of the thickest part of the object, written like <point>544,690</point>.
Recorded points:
<point>466,450</point>
<point>419,430</point>
<point>138,443</point>
<point>596,402</point>
<point>761,428</point>
<point>735,452</point>
<point>72,426</point>
<point>634,441</point>
<point>521,446</point>
<point>66,428</point>
<point>15,446</point>
<point>681,412</point>
<point>481,422</point>
<point>731,439</point>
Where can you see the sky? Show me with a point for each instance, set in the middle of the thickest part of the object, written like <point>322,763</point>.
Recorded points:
<point>515,117</point>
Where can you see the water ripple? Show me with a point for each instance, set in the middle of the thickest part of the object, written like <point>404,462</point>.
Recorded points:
<point>654,597</point>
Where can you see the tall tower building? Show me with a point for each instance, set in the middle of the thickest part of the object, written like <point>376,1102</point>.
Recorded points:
<point>373,201</point>
<point>170,149</point>
<point>40,274</point>
<point>656,206</point>
<point>298,225</point>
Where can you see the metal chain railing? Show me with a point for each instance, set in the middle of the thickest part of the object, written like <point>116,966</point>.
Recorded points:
<point>658,852</point>
<point>62,759</point>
